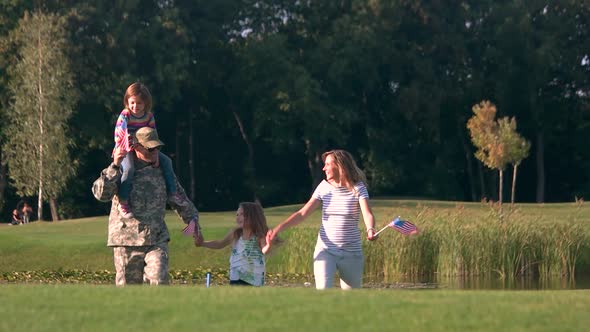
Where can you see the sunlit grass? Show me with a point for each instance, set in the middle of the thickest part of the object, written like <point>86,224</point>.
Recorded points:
<point>471,240</point>
<point>456,239</point>
<point>107,308</point>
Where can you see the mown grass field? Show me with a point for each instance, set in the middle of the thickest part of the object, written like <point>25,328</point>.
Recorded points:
<point>448,229</point>
<point>56,255</point>
<point>181,308</point>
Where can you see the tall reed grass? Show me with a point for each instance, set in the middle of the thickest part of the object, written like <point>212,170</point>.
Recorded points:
<point>462,242</point>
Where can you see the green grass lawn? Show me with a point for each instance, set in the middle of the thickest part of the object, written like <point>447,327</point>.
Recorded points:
<point>81,244</point>
<point>107,308</point>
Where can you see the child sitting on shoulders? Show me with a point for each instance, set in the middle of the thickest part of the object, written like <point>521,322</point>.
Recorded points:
<point>137,114</point>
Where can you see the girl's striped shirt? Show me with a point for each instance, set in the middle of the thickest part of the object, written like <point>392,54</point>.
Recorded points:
<point>127,124</point>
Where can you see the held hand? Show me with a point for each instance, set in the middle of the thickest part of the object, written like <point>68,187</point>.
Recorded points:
<point>271,234</point>
<point>268,244</point>
<point>118,155</point>
<point>198,241</point>
<point>198,236</point>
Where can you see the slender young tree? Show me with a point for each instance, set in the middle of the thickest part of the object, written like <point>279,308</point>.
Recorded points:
<point>485,135</point>
<point>516,147</point>
<point>43,97</point>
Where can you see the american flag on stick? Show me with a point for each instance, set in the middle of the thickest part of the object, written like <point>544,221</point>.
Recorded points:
<point>403,226</point>
<point>123,139</point>
<point>189,230</point>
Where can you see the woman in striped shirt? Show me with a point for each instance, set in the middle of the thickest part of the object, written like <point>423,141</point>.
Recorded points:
<point>343,196</point>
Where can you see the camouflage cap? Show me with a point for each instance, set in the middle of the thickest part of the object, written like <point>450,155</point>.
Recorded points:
<point>148,138</point>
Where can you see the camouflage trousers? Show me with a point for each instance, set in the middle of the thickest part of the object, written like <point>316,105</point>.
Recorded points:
<point>136,265</point>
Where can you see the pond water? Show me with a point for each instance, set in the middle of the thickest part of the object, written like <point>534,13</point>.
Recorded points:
<point>582,281</point>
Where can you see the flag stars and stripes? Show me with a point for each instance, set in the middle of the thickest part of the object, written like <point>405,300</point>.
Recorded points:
<point>403,226</point>
<point>190,229</point>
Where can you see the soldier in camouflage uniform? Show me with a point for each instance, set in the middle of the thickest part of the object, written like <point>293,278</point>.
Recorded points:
<point>140,244</point>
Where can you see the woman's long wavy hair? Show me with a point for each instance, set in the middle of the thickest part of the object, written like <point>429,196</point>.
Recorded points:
<point>350,173</point>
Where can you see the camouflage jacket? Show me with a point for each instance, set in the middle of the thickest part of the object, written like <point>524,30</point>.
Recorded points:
<point>148,202</point>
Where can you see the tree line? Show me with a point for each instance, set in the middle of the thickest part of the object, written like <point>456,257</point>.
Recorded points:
<point>248,94</point>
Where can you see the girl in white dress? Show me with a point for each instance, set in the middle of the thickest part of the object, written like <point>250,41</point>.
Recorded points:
<point>247,264</point>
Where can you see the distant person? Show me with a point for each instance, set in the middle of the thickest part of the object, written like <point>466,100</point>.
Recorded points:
<point>137,114</point>
<point>247,264</point>
<point>140,244</point>
<point>22,214</point>
<point>342,195</point>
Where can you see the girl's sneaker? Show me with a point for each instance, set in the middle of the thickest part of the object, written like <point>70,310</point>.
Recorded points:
<point>125,211</point>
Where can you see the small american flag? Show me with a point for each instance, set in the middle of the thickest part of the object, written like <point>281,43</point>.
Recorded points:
<point>190,229</point>
<point>123,139</point>
<point>403,226</point>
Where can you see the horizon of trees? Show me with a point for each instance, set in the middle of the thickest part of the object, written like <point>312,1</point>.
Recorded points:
<point>248,94</point>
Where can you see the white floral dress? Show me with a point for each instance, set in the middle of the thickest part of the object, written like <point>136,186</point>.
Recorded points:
<point>247,262</point>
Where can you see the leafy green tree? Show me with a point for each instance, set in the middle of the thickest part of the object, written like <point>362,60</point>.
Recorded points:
<point>497,142</point>
<point>534,68</point>
<point>485,135</point>
<point>43,98</point>
<point>8,20</point>
<point>516,147</point>
<point>275,111</point>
